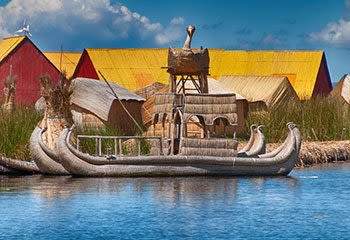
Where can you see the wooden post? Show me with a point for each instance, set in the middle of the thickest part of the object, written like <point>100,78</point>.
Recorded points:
<point>99,146</point>
<point>183,84</point>
<point>172,139</point>
<point>201,86</point>
<point>115,147</point>
<point>120,147</point>
<point>163,129</point>
<point>172,83</point>
<point>96,145</point>
<point>204,79</point>
<point>169,129</point>
<point>161,146</point>
<point>139,146</point>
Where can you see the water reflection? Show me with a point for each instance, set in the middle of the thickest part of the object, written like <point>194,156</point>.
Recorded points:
<point>300,206</point>
<point>162,189</point>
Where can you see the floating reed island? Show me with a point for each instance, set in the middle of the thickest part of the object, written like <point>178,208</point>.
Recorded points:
<point>313,153</point>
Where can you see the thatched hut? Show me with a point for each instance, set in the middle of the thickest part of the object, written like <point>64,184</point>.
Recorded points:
<point>341,91</point>
<point>93,104</point>
<point>215,87</point>
<point>262,92</point>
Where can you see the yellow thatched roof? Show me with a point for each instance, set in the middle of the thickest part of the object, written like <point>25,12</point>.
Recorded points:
<point>9,44</point>
<point>130,68</point>
<point>271,90</point>
<point>66,61</point>
<point>301,67</point>
<point>137,68</point>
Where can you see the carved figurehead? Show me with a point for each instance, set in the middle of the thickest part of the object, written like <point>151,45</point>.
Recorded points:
<point>187,61</point>
<point>190,31</point>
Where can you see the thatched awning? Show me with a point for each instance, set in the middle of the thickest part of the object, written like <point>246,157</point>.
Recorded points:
<point>97,97</point>
<point>207,106</point>
<point>211,107</point>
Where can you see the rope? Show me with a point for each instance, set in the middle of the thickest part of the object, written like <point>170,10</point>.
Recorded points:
<point>121,103</point>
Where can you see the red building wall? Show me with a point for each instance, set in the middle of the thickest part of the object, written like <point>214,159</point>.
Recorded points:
<point>85,68</point>
<point>28,64</point>
<point>323,85</point>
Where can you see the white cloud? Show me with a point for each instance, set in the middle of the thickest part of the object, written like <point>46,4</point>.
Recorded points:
<point>334,33</point>
<point>85,20</point>
<point>174,31</point>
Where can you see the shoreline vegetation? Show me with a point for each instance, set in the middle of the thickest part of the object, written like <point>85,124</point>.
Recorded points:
<point>324,123</point>
<point>319,119</point>
<point>15,130</point>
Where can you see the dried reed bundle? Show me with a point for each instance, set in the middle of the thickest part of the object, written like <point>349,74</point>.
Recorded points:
<point>320,152</point>
<point>57,112</point>
<point>9,92</point>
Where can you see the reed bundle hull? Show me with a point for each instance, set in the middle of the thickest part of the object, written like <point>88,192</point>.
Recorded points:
<point>80,164</point>
<point>19,166</point>
<point>46,159</point>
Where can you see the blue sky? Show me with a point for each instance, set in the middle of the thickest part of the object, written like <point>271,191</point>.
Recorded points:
<point>236,24</point>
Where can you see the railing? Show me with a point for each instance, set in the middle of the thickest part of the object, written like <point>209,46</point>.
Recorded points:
<point>118,143</point>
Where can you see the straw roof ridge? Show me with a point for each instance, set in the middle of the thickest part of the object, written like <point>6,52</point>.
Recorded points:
<point>342,89</point>
<point>96,96</point>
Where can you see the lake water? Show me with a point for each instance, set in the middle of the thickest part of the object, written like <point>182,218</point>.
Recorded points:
<point>313,203</point>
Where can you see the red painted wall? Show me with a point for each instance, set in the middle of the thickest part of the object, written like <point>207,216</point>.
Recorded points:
<point>323,85</point>
<point>85,68</point>
<point>28,64</point>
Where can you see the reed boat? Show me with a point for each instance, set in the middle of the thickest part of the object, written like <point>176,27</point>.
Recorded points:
<point>176,152</point>
<point>19,166</point>
<point>82,164</point>
<point>45,158</point>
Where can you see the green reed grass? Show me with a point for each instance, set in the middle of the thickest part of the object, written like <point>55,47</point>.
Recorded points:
<point>15,130</point>
<point>321,118</point>
<point>107,145</point>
